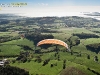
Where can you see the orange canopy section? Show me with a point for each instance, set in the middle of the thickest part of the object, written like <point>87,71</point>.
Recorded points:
<point>52,41</point>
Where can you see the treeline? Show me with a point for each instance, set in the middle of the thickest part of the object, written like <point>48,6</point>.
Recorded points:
<point>25,47</point>
<point>40,20</point>
<point>9,70</point>
<point>3,29</point>
<point>36,37</point>
<point>96,31</point>
<point>8,38</point>
<point>85,35</point>
<point>5,21</point>
<point>94,47</point>
<point>7,56</point>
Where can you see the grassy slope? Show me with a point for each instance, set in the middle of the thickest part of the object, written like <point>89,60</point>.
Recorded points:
<point>11,48</point>
<point>72,60</point>
<point>37,68</point>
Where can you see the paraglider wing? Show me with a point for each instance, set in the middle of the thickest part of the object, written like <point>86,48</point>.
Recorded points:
<point>52,41</point>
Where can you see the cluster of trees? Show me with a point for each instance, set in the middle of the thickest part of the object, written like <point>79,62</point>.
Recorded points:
<point>8,38</point>
<point>9,70</point>
<point>24,56</point>
<point>3,29</point>
<point>46,62</point>
<point>76,21</point>
<point>46,20</point>
<point>36,37</point>
<point>96,58</point>
<point>40,20</point>
<point>96,31</point>
<point>94,47</point>
<point>4,22</point>
<point>25,47</point>
<point>38,59</point>
<point>73,40</point>
<point>57,56</point>
<point>86,35</point>
<point>7,56</point>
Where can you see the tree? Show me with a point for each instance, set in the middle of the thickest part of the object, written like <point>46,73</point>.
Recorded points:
<point>64,65</point>
<point>88,56</point>
<point>0,50</point>
<point>96,58</point>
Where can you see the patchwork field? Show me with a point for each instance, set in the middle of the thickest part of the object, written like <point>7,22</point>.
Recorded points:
<point>18,44</point>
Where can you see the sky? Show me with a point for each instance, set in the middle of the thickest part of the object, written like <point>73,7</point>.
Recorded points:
<point>38,8</point>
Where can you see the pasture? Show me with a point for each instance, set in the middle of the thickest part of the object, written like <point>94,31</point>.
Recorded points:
<point>75,60</point>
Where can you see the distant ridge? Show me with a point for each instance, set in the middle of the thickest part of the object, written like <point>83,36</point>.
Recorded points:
<point>10,16</point>
<point>93,14</point>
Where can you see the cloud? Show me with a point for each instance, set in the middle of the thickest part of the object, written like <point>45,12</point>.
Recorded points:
<point>43,4</point>
<point>44,10</point>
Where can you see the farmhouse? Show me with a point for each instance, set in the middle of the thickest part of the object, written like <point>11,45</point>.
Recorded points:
<point>1,63</point>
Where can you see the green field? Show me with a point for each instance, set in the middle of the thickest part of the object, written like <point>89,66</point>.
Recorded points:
<point>79,62</point>
<point>37,68</point>
<point>12,48</point>
<point>18,40</point>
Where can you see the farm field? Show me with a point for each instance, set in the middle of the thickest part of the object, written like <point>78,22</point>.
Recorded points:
<point>82,63</point>
<point>19,46</point>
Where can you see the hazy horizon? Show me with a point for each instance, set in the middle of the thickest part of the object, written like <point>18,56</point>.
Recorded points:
<point>40,8</point>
